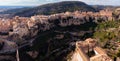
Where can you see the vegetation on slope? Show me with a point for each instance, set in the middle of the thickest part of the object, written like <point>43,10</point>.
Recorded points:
<point>54,8</point>
<point>108,35</point>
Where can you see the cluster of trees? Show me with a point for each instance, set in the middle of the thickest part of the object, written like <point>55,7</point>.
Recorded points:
<point>108,24</point>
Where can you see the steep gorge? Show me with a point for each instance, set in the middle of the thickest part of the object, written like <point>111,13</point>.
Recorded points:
<point>55,36</point>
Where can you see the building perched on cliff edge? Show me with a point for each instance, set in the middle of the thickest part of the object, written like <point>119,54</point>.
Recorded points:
<point>84,49</point>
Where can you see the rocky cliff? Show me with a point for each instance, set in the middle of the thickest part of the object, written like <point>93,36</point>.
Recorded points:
<point>54,36</point>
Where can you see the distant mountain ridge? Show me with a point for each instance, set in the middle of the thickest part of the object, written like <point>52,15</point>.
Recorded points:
<point>101,7</point>
<point>54,8</point>
<point>11,7</point>
<point>7,9</point>
<point>13,10</point>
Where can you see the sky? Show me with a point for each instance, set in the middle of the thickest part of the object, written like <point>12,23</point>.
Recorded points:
<point>40,2</point>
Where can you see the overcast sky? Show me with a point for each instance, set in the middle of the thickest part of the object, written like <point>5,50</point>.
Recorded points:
<point>40,2</point>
